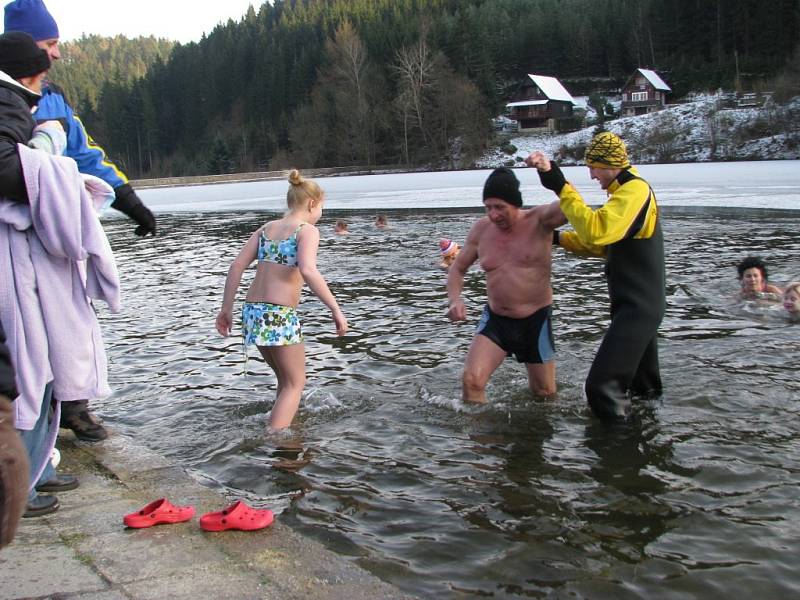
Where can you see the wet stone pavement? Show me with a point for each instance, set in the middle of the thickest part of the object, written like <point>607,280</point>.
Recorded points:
<point>83,550</point>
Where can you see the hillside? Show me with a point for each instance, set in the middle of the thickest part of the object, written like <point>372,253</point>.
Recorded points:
<point>344,83</point>
<point>696,131</point>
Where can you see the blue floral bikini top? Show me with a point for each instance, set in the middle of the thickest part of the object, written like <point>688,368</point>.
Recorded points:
<point>280,252</point>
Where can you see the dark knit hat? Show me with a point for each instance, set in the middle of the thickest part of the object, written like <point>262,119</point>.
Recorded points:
<point>503,184</point>
<point>20,56</point>
<point>32,17</point>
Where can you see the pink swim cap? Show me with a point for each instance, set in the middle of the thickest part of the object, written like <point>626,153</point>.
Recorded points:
<point>447,247</point>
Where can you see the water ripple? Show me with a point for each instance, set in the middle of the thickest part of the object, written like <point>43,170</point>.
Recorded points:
<point>696,496</point>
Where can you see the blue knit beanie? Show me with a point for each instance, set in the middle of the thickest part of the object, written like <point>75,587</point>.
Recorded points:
<point>32,17</point>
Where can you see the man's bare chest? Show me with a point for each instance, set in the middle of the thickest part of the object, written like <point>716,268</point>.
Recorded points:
<point>529,251</point>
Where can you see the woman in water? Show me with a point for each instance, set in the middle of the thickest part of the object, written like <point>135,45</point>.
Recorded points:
<point>286,250</point>
<point>752,274</point>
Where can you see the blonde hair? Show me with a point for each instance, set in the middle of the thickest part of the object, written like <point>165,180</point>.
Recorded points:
<point>303,193</point>
<point>794,286</point>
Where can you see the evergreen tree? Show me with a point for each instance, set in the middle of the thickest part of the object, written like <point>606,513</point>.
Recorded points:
<point>331,82</point>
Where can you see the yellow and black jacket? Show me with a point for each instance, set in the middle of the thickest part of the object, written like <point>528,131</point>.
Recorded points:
<point>630,212</point>
<point>626,230</point>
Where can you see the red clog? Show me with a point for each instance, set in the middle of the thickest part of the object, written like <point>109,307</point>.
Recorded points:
<point>158,512</point>
<point>237,516</point>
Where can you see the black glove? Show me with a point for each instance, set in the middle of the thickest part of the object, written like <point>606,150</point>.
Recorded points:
<point>128,203</point>
<point>552,179</point>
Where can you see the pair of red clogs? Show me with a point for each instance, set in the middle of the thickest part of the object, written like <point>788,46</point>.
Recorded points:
<point>237,516</point>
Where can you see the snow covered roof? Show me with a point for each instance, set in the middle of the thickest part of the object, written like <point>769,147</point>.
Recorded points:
<point>527,103</point>
<point>655,80</point>
<point>551,87</point>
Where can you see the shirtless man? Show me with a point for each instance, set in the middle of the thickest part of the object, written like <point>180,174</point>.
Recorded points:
<point>513,246</point>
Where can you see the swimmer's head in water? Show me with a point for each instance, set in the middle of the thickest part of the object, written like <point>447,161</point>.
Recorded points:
<point>752,262</point>
<point>448,247</point>
<point>791,298</point>
<point>753,275</point>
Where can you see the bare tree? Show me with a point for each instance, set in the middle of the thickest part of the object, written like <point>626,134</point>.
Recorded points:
<point>414,67</point>
<point>344,111</point>
<point>349,73</point>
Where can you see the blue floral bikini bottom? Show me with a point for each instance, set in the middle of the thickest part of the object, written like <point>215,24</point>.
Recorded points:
<point>265,324</point>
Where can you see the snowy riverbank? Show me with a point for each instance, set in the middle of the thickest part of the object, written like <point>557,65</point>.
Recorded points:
<point>698,131</point>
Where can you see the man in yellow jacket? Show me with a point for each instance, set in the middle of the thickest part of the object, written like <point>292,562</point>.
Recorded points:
<point>626,230</point>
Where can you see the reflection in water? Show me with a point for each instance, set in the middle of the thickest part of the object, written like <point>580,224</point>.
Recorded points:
<point>631,461</point>
<point>520,498</point>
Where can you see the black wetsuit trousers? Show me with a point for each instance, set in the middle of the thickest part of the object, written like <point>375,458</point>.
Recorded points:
<point>626,363</point>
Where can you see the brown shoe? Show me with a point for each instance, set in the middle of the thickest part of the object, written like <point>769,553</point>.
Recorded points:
<point>62,482</point>
<point>86,426</point>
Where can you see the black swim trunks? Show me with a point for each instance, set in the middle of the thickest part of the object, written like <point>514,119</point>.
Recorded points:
<point>529,339</point>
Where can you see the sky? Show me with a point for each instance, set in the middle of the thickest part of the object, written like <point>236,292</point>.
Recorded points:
<point>179,20</point>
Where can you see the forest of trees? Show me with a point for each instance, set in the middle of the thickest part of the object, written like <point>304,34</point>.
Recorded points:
<point>93,62</point>
<point>319,83</point>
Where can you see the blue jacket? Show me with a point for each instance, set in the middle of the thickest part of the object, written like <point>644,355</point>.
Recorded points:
<point>90,157</point>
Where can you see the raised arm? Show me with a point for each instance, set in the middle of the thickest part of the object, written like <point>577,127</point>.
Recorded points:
<point>552,216</point>
<point>243,260</point>
<point>307,245</point>
<point>457,311</point>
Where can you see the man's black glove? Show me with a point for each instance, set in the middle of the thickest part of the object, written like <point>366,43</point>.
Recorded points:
<point>552,179</point>
<point>128,203</point>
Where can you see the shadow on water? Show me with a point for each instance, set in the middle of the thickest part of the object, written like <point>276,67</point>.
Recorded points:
<point>520,498</point>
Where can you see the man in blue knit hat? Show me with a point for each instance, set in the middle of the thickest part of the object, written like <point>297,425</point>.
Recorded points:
<point>33,18</point>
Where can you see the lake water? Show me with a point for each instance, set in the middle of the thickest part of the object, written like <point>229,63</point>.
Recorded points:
<point>696,496</point>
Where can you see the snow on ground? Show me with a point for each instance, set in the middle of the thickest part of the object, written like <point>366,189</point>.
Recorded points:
<point>682,132</point>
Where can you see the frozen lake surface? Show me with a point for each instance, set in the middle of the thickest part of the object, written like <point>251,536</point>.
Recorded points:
<point>767,184</point>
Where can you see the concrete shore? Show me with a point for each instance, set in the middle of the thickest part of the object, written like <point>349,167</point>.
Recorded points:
<point>83,551</point>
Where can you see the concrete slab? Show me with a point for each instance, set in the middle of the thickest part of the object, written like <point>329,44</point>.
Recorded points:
<point>110,595</point>
<point>92,519</point>
<point>217,581</point>
<point>35,531</point>
<point>136,554</point>
<point>84,551</point>
<point>116,452</point>
<point>42,569</point>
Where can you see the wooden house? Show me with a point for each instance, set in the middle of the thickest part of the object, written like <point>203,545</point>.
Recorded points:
<point>541,102</point>
<point>645,92</point>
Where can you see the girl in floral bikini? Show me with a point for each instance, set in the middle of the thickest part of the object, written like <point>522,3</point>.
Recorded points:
<point>286,250</point>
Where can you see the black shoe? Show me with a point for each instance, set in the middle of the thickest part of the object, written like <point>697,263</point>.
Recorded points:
<point>41,506</point>
<point>82,422</point>
<point>60,483</point>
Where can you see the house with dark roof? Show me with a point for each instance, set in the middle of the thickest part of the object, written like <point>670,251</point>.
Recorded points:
<point>541,102</point>
<point>645,92</point>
